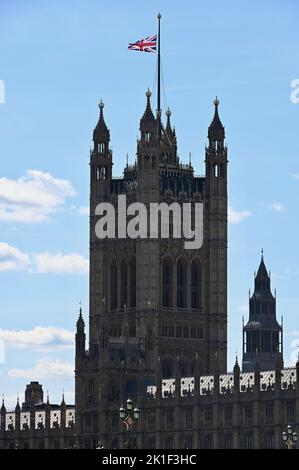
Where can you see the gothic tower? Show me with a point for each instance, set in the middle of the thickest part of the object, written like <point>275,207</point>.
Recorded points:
<point>262,335</point>
<point>157,310</point>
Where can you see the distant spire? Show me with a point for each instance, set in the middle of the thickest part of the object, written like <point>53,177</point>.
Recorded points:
<point>101,132</point>
<point>216,129</point>
<point>168,115</point>
<point>48,398</point>
<point>262,271</point>
<point>3,409</point>
<point>148,113</point>
<point>236,366</point>
<point>62,401</point>
<point>80,321</point>
<point>18,403</point>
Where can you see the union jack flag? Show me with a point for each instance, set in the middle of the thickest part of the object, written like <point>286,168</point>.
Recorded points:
<point>148,44</point>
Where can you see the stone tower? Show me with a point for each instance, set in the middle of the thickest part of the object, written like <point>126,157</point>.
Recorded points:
<point>262,335</point>
<point>157,310</point>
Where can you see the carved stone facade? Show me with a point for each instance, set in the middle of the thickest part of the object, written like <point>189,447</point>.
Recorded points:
<point>158,322</point>
<point>37,425</point>
<point>156,308</point>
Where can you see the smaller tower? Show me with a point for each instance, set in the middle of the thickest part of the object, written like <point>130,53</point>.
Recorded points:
<point>80,337</point>
<point>34,394</point>
<point>2,415</point>
<point>262,336</point>
<point>100,161</point>
<point>216,242</point>
<point>148,150</point>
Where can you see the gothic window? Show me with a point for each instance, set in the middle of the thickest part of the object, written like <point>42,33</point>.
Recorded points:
<point>228,441</point>
<point>101,148</point>
<point>248,440</point>
<point>269,440</point>
<point>290,411</point>
<point>228,415</point>
<point>151,443</point>
<point>182,283</point>
<point>153,162</point>
<point>183,369</point>
<point>269,411</point>
<point>248,414</point>
<point>216,170</point>
<point>189,415</point>
<point>195,284</point>
<point>208,416</point>
<point>275,341</point>
<point>208,442</point>
<point>147,136</point>
<point>146,162</point>
<point>91,391</point>
<point>102,172</point>
<point>167,282</point>
<point>169,443</point>
<point>167,369</point>
<point>124,284</point>
<point>114,285</point>
<point>188,443</point>
<point>133,282</point>
<point>186,332</point>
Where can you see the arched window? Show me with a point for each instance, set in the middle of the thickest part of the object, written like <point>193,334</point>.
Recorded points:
<point>167,369</point>
<point>133,282</point>
<point>195,284</point>
<point>182,283</point>
<point>124,284</point>
<point>167,283</point>
<point>114,285</point>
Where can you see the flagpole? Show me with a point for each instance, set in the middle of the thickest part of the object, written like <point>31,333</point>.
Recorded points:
<point>159,68</point>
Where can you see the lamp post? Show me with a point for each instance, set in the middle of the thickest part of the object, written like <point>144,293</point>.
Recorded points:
<point>129,417</point>
<point>290,438</point>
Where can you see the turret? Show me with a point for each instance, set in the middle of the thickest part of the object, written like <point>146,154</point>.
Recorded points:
<point>80,336</point>
<point>100,161</point>
<point>216,152</point>
<point>262,334</point>
<point>237,376</point>
<point>148,151</point>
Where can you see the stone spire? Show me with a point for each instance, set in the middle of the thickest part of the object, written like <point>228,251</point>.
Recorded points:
<point>148,115</point>
<point>101,132</point>
<point>216,129</point>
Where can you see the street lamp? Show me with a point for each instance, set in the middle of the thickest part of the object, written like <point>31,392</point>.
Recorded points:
<point>129,416</point>
<point>290,438</point>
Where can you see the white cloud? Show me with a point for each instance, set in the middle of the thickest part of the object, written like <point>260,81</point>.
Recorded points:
<point>33,197</point>
<point>296,177</point>
<point>73,263</point>
<point>39,338</point>
<point>277,206</point>
<point>235,217</point>
<point>48,368</point>
<point>12,259</point>
<point>83,210</point>
<point>56,263</point>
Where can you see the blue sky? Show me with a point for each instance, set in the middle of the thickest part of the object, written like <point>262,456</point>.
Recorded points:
<point>57,59</point>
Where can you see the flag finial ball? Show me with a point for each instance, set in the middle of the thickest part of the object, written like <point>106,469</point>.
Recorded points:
<point>159,16</point>
<point>216,102</point>
<point>148,93</point>
<point>101,104</point>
